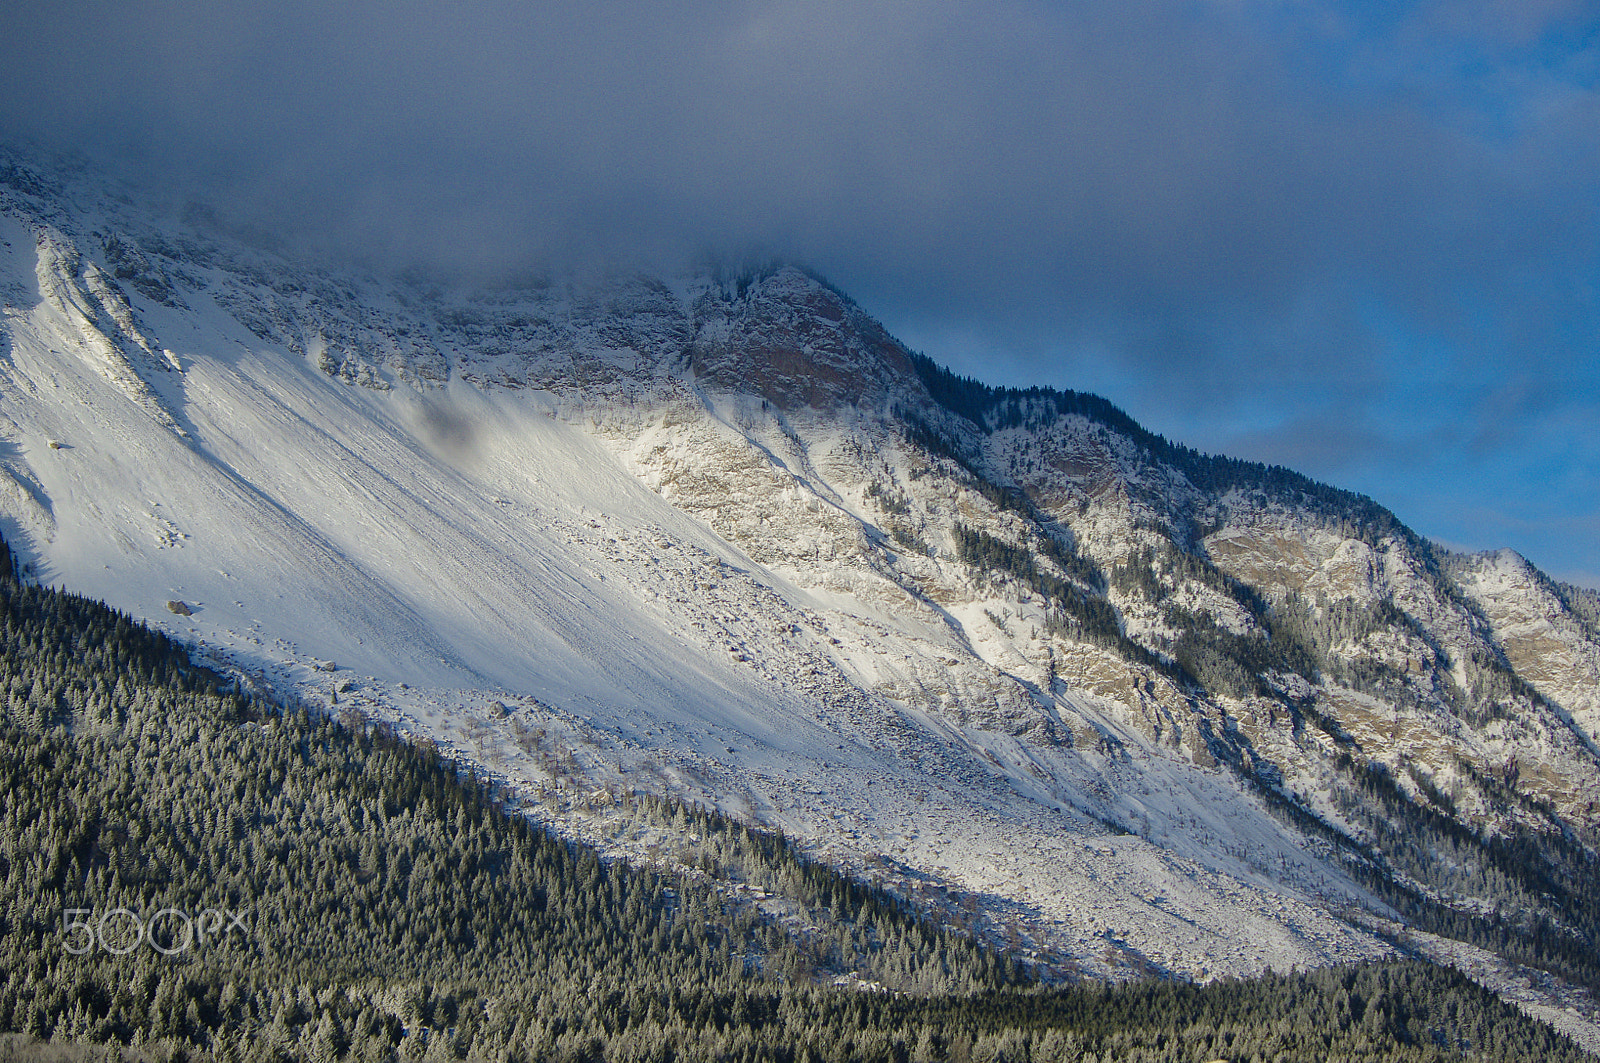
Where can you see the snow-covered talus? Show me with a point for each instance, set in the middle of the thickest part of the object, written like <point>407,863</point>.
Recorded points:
<point>722,536</point>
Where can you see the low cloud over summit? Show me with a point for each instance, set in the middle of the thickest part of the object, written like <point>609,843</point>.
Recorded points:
<point>1357,239</point>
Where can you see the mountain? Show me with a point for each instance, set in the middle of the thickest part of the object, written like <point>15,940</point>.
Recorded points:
<point>1116,705</point>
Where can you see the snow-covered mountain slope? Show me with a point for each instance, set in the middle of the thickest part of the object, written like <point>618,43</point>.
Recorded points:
<point>1117,704</point>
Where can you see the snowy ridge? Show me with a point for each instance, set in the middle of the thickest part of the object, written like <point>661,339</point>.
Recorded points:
<point>674,535</point>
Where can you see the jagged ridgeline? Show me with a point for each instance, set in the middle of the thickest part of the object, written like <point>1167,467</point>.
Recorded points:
<point>990,409</point>
<point>1204,657</point>
<point>1295,634</point>
<point>198,875</point>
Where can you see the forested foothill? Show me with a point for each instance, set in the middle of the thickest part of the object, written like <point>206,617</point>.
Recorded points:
<point>191,873</point>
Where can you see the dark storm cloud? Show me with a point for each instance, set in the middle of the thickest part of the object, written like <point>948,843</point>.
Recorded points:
<point>1251,222</point>
<point>1154,152</point>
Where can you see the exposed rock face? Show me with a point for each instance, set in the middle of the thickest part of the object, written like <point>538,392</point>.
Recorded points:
<point>796,343</point>
<point>1549,646</point>
<point>1027,621</point>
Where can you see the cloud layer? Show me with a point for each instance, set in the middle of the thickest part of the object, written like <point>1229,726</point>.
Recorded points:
<point>1356,238</point>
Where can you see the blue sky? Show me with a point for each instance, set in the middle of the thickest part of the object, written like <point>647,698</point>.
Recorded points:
<point>1358,239</point>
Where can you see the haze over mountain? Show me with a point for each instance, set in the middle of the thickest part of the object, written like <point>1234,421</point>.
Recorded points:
<point>1358,240</point>
<point>1114,704</point>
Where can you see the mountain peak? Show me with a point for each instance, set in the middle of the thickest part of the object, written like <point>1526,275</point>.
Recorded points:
<point>792,339</point>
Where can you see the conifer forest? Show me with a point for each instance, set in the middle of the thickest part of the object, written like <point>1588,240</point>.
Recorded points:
<point>192,874</point>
